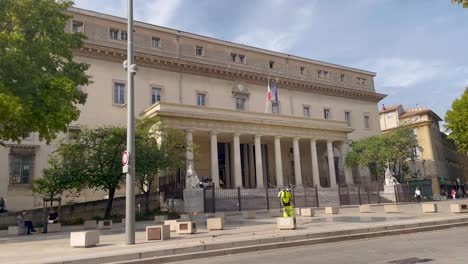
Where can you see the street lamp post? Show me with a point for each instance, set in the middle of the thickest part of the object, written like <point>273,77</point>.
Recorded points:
<point>130,177</point>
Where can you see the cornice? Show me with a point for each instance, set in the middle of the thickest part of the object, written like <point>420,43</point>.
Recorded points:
<point>99,52</point>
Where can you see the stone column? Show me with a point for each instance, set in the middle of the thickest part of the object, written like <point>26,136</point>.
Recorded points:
<point>315,168</point>
<point>297,162</point>
<point>331,164</point>
<point>258,162</point>
<point>214,159</point>
<point>278,162</point>
<point>348,172</point>
<point>237,161</point>
<point>189,151</point>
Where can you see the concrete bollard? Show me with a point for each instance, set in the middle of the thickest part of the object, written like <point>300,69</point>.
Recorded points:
<point>297,211</point>
<point>159,232</point>
<point>332,210</point>
<point>16,230</point>
<point>286,223</point>
<point>105,224</point>
<point>84,238</point>
<point>391,208</point>
<point>160,218</point>
<point>172,225</point>
<point>458,208</point>
<point>90,224</point>
<point>249,214</point>
<point>307,212</point>
<point>215,223</point>
<point>186,227</point>
<point>57,227</point>
<point>365,208</point>
<point>429,208</point>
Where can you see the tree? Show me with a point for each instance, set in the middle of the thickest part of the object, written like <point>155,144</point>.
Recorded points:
<point>93,160</point>
<point>390,149</point>
<point>456,121</point>
<point>464,2</point>
<point>157,149</point>
<point>54,181</point>
<point>38,78</point>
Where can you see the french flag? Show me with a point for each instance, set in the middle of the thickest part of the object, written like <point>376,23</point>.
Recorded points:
<point>268,92</point>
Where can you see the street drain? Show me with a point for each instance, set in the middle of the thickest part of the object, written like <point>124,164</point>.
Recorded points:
<point>410,261</point>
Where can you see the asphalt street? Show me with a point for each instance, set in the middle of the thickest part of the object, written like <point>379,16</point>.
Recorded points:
<point>448,246</point>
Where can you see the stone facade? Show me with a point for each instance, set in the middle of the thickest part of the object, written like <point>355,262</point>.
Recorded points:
<point>215,91</point>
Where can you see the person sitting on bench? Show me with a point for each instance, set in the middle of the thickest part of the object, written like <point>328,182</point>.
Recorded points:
<point>22,220</point>
<point>2,205</point>
<point>53,217</point>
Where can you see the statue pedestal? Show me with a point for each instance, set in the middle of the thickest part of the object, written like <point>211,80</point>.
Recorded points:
<point>389,189</point>
<point>388,193</point>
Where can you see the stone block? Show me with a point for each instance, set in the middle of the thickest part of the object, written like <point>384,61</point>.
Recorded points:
<point>105,224</point>
<point>365,208</point>
<point>57,227</point>
<point>160,218</point>
<point>159,232</point>
<point>249,214</point>
<point>429,208</point>
<point>307,212</point>
<point>459,208</point>
<point>215,223</point>
<point>286,223</point>
<point>90,224</point>
<point>185,217</point>
<point>276,212</point>
<point>172,225</point>
<point>391,208</point>
<point>16,230</point>
<point>187,227</point>
<point>332,210</point>
<point>297,211</point>
<point>84,238</point>
<point>220,214</point>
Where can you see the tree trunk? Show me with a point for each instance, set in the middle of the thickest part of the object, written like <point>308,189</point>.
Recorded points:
<point>109,202</point>
<point>147,194</point>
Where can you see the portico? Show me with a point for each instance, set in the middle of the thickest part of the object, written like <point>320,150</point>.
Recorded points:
<point>257,150</point>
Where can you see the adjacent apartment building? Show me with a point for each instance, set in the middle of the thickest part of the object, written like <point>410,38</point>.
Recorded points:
<point>438,162</point>
<point>216,92</point>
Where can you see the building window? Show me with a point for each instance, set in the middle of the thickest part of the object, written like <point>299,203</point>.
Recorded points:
<point>361,81</point>
<point>240,103</point>
<point>347,117</point>
<point>114,33</point>
<point>26,135</point>
<point>366,121</point>
<point>123,35</point>
<point>342,77</point>
<point>77,26</point>
<point>155,95</point>
<point>301,69</point>
<point>199,51</point>
<point>201,99</point>
<point>119,93</point>
<point>21,165</point>
<point>73,133</point>
<point>326,113</point>
<point>156,42</point>
<point>322,74</point>
<point>272,64</point>
<point>306,111</point>
<point>389,115</point>
<point>233,57</point>
<point>242,59</point>
<point>275,107</point>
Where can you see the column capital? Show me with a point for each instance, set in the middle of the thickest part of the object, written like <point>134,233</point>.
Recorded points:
<point>237,134</point>
<point>278,137</point>
<point>214,132</point>
<point>258,135</point>
<point>330,140</point>
<point>189,130</point>
<point>296,138</point>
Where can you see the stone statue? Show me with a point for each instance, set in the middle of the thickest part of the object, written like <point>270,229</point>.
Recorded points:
<point>390,180</point>
<point>191,179</point>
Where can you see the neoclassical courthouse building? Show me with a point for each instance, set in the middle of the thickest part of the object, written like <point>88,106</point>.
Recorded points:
<point>215,91</point>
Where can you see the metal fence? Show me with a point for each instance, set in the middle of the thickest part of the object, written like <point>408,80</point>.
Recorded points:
<point>360,194</point>
<point>240,199</point>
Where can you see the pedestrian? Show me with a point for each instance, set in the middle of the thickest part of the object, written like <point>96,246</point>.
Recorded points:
<point>22,220</point>
<point>417,194</point>
<point>285,196</point>
<point>453,193</point>
<point>3,208</point>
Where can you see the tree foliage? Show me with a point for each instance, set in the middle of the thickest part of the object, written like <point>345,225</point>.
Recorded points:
<point>38,78</point>
<point>390,149</point>
<point>456,121</point>
<point>463,2</point>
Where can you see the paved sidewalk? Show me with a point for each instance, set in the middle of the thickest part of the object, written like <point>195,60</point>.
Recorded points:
<point>54,247</point>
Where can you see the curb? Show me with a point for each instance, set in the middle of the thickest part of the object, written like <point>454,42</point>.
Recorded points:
<point>253,245</point>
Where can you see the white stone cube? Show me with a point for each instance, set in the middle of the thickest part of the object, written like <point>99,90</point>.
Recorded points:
<point>458,208</point>
<point>332,210</point>
<point>57,227</point>
<point>429,208</point>
<point>159,232</point>
<point>16,230</point>
<point>391,208</point>
<point>365,208</point>
<point>84,238</point>
<point>286,223</point>
<point>297,211</point>
<point>172,225</point>
<point>215,223</point>
<point>307,212</point>
<point>187,227</point>
<point>105,224</point>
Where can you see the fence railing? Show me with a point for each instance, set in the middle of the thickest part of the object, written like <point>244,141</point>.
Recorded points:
<point>241,199</point>
<point>360,194</point>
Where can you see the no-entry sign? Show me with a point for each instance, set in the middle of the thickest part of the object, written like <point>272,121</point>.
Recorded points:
<point>125,158</point>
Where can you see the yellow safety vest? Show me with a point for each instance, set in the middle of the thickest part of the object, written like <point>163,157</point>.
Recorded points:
<point>286,198</point>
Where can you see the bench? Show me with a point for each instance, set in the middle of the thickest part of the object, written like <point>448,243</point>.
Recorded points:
<point>17,230</point>
<point>84,239</point>
<point>57,227</point>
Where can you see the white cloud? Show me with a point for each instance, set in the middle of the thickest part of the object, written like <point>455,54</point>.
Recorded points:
<point>160,12</point>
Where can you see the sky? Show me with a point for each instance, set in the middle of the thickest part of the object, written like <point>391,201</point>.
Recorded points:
<point>417,48</point>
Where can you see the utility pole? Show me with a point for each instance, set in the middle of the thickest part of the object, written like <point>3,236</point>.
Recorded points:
<point>130,170</point>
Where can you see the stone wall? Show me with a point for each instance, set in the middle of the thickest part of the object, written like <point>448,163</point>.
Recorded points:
<point>86,210</point>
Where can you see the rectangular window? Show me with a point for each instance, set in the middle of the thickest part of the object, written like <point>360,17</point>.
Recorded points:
<point>326,113</point>
<point>272,64</point>
<point>275,107</point>
<point>325,75</point>
<point>199,50</point>
<point>233,57</point>
<point>21,166</point>
<point>242,59</point>
<point>342,77</point>
<point>201,99</point>
<point>366,121</point>
<point>347,117</point>
<point>123,35</point>
<point>155,95</point>
<point>156,43</point>
<point>306,111</point>
<point>240,103</point>
<point>119,93</point>
<point>114,33</point>
<point>302,68</point>
<point>77,26</point>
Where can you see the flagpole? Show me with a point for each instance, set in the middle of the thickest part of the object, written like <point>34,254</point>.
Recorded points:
<point>266,102</point>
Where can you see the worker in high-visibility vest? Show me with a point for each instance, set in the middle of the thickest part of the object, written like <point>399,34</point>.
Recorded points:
<point>286,196</point>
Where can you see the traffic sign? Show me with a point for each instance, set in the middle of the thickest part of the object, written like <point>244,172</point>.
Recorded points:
<point>125,169</point>
<point>125,158</point>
